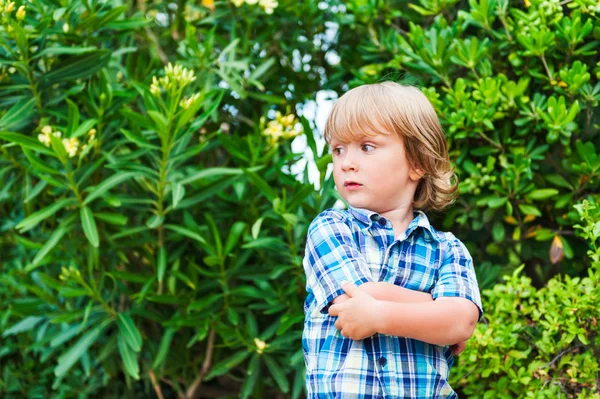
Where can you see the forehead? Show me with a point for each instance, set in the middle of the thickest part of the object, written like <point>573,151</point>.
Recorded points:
<point>361,138</point>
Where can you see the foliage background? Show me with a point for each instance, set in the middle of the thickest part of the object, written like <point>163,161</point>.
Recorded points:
<point>155,247</point>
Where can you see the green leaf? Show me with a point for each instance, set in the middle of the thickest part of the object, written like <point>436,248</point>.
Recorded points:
<point>60,50</point>
<point>163,349</point>
<point>129,331</point>
<point>225,365</point>
<point>178,193</point>
<point>89,226</point>
<point>35,218</point>
<point>256,227</point>
<point>76,67</point>
<point>161,263</point>
<point>112,218</point>
<point>559,181</point>
<point>186,232</point>
<point>73,118</point>
<point>26,142</point>
<point>497,202</point>
<point>529,210</point>
<point>84,127</point>
<point>50,245</point>
<point>262,185</point>
<point>252,376</point>
<point>211,172</point>
<point>155,221</point>
<point>277,374</point>
<point>27,324</point>
<point>38,164</point>
<point>129,357</point>
<point>68,359</point>
<point>234,235</point>
<point>542,193</point>
<point>108,184</point>
<point>18,115</point>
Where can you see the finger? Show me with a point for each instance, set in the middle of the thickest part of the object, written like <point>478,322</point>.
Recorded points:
<point>349,288</point>
<point>338,324</point>
<point>334,310</point>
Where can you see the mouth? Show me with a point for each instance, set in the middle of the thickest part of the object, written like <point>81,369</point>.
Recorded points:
<point>352,184</point>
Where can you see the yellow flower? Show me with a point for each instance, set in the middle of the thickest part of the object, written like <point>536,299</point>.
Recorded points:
<point>44,138</point>
<point>21,13</point>
<point>269,5</point>
<point>186,102</point>
<point>260,345</point>
<point>210,4</point>
<point>71,146</point>
<point>47,129</point>
<point>10,7</point>
<point>238,3</point>
<point>65,27</point>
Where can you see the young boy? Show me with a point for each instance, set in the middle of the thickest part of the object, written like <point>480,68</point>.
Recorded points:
<point>409,290</point>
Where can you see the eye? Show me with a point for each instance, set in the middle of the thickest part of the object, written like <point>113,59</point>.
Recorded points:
<point>367,147</point>
<point>337,150</point>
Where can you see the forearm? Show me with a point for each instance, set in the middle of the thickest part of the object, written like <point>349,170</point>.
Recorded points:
<point>383,291</point>
<point>445,321</point>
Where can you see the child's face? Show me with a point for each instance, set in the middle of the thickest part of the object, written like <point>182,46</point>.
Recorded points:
<point>373,173</point>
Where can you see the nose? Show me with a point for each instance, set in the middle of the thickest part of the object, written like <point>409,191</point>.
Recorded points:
<point>349,161</point>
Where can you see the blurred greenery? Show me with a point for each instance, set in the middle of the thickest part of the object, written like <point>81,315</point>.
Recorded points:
<point>153,220</point>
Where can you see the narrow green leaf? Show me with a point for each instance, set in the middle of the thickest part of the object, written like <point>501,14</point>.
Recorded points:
<point>76,67</point>
<point>108,184</point>
<point>73,118</point>
<point>129,357</point>
<point>84,127</point>
<point>186,232</point>
<point>27,324</point>
<point>277,374</point>
<point>89,226</point>
<point>50,245</point>
<point>234,235</point>
<point>26,142</point>
<point>68,359</point>
<point>251,378</point>
<point>542,193</point>
<point>225,365</point>
<point>35,218</point>
<point>161,263</point>
<point>178,193</point>
<point>18,115</point>
<point>163,349</point>
<point>129,331</point>
<point>530,210</point>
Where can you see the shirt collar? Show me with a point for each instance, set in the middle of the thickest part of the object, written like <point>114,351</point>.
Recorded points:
<point>420,220</point>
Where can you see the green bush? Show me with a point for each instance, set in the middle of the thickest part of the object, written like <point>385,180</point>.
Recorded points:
<point>155,246</point>
<point>538,343</point>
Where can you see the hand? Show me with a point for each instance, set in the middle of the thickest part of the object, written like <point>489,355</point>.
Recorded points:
<point>458,348</point>
<point>358,315</point>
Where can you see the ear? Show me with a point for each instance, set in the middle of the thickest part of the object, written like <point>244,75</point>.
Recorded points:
<point>416,173</point>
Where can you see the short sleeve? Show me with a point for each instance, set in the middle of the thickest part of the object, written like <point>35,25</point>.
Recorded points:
<point>331,257</point>
<point>456,276</point>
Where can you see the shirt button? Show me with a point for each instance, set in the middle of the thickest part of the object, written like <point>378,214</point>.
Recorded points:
<point>382,361</point>
<point>382,222</point>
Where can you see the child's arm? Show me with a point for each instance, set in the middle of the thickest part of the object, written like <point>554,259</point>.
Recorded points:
<point>450,318</point>
<point>444,321</point>
<point>383,291</point>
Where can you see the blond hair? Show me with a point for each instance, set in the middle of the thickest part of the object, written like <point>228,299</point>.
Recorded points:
<point>389,107</point>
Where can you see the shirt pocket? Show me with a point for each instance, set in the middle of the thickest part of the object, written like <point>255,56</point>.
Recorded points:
<point>418,265</point>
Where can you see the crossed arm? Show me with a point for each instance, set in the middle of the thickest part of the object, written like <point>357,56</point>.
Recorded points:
<point>386,309</point>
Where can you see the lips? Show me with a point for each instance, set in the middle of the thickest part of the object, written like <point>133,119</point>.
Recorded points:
<point>352,184</point>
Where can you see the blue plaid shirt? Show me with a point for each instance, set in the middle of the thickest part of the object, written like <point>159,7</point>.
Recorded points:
<point>358,246</point>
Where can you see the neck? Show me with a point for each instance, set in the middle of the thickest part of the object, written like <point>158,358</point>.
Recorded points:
<point>400,217</point>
